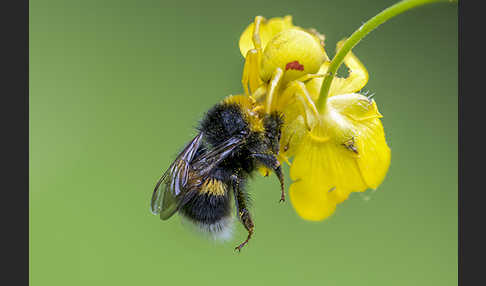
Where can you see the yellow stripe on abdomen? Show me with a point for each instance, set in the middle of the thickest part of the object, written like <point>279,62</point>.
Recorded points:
<point>213,187</point>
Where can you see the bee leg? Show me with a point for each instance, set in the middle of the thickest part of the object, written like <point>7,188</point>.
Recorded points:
<point>248,223</point>
<point>278,172</point>
<point>242,211</point>
<point>270,161</point>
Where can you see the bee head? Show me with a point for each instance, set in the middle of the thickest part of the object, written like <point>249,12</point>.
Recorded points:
<point>273,129</point>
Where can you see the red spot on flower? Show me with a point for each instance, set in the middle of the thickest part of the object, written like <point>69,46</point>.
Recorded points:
<point>294,66</point>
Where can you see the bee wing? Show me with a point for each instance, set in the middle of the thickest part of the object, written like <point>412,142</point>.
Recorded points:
<point>205,163</point>
<point>174,179</point>
<point>202,165</point>
<point>184,167</point>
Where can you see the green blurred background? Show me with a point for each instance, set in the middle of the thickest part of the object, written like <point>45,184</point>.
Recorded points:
<point>116,88</point>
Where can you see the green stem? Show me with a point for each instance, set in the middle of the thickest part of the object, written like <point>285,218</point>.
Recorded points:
<point>359,34</point>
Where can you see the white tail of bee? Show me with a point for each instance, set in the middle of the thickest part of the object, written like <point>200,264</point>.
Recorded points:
<point>221,230</point>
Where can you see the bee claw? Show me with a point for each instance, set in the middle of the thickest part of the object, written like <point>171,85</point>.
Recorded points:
<point>282,196</point>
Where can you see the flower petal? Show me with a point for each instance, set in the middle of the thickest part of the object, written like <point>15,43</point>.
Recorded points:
<point>345,152</point>
<point>357,79</point>
<point>374,153</point>
<point>268,29</point>
<point>322,159</point>
<point>292,133</point>
<point>355,106</point>
<point>311,202</point>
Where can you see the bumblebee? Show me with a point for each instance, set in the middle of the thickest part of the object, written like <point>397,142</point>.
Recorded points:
<point>234,139</point>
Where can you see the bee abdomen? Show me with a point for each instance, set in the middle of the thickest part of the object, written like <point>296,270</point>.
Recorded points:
<point>210,209</point>
<point>207,208</point>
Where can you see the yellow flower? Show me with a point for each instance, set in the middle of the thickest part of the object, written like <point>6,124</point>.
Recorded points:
<point>277,51</point>
<point>335,151</point>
